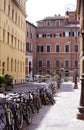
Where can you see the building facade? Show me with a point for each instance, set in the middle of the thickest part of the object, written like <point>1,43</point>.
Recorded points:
<point>80,12</point>
<point>12,39</point>
<point>30,50</point>
<point>58,44</point>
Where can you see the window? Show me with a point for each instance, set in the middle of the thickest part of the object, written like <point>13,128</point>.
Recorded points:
<point>66,73</point>
<point>57,63</point>
<point>27,47</point>
<point>18,66</point>
<point>8,10</point>
<point>48,63</point>
<point>57,71</point>
<point>18,20</point>
<point>7,63</point>
<point>40,35</point>
<point>40,48</point>
<point>23,67</point>
<point>40,63</point>
<point>57,48</point>
<point>8,38</point>
<point>12,14</point>
<point>76,34</point>
<point>57,23</point>
<point>30,67</point>
<point>15,42</point>
<point>48,35</point>
<point>3,35</point>
<point>75,48</point>
<point>15,65</point>
<point>16,17</point>
<point>48,48</point>
<point>48,23</point>
<point>66,34</point>
<point>11,64</point>
<point>27,33</point>
<point>4,5</point>
<point>48,71</point>
<point>76,63</point>
<point>31,35</point>
<point>12,40</point>
<point>57,35</point>
<point>18,44</point>
<point>66,48</point>
<point>66,63</point>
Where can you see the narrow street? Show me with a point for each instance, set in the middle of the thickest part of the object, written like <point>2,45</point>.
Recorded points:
<point>62,115</point>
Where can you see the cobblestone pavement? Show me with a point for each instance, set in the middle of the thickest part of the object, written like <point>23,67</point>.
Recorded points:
<point>62,115</point>
<point>28,86</point>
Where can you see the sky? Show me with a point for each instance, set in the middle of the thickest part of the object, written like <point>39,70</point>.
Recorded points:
<point>39,9</point>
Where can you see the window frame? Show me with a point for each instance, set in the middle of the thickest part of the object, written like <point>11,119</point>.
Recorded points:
<point>65,49</point>
<point>48,49</point>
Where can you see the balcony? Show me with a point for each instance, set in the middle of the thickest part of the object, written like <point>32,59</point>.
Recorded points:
<point>20,6</point>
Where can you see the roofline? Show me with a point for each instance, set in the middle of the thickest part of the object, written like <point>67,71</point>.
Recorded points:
<point>30,23</point>
<point>53,18</point>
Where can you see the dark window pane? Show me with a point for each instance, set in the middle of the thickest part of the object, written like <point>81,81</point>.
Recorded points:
<point>48,48</point>
<point>57,48</point>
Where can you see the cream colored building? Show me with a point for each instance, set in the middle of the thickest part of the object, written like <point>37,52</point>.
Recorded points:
<point>12,38</point>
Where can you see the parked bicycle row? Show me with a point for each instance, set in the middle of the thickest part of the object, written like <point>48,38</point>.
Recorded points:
<point>17,108</point>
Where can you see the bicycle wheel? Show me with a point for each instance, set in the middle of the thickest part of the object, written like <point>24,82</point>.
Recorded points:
<point>10,122</point>
<point>2,122</point>
<point>29,115</point>
<point>19,119</point>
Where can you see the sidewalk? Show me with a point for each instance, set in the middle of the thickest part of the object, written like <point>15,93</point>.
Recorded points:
<point>62,115</point>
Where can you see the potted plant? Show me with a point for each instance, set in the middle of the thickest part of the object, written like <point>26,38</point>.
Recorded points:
<point>2,83</point>
<point>8,82</point>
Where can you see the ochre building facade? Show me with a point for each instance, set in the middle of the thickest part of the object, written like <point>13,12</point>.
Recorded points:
<point>12,39</point>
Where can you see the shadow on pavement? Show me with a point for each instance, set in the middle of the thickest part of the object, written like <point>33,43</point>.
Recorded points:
<point>38,118</point>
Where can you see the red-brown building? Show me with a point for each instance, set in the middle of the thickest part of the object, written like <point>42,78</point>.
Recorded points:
<point>53,45</point>
<point>30,49</point>
<point>58,44</point>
